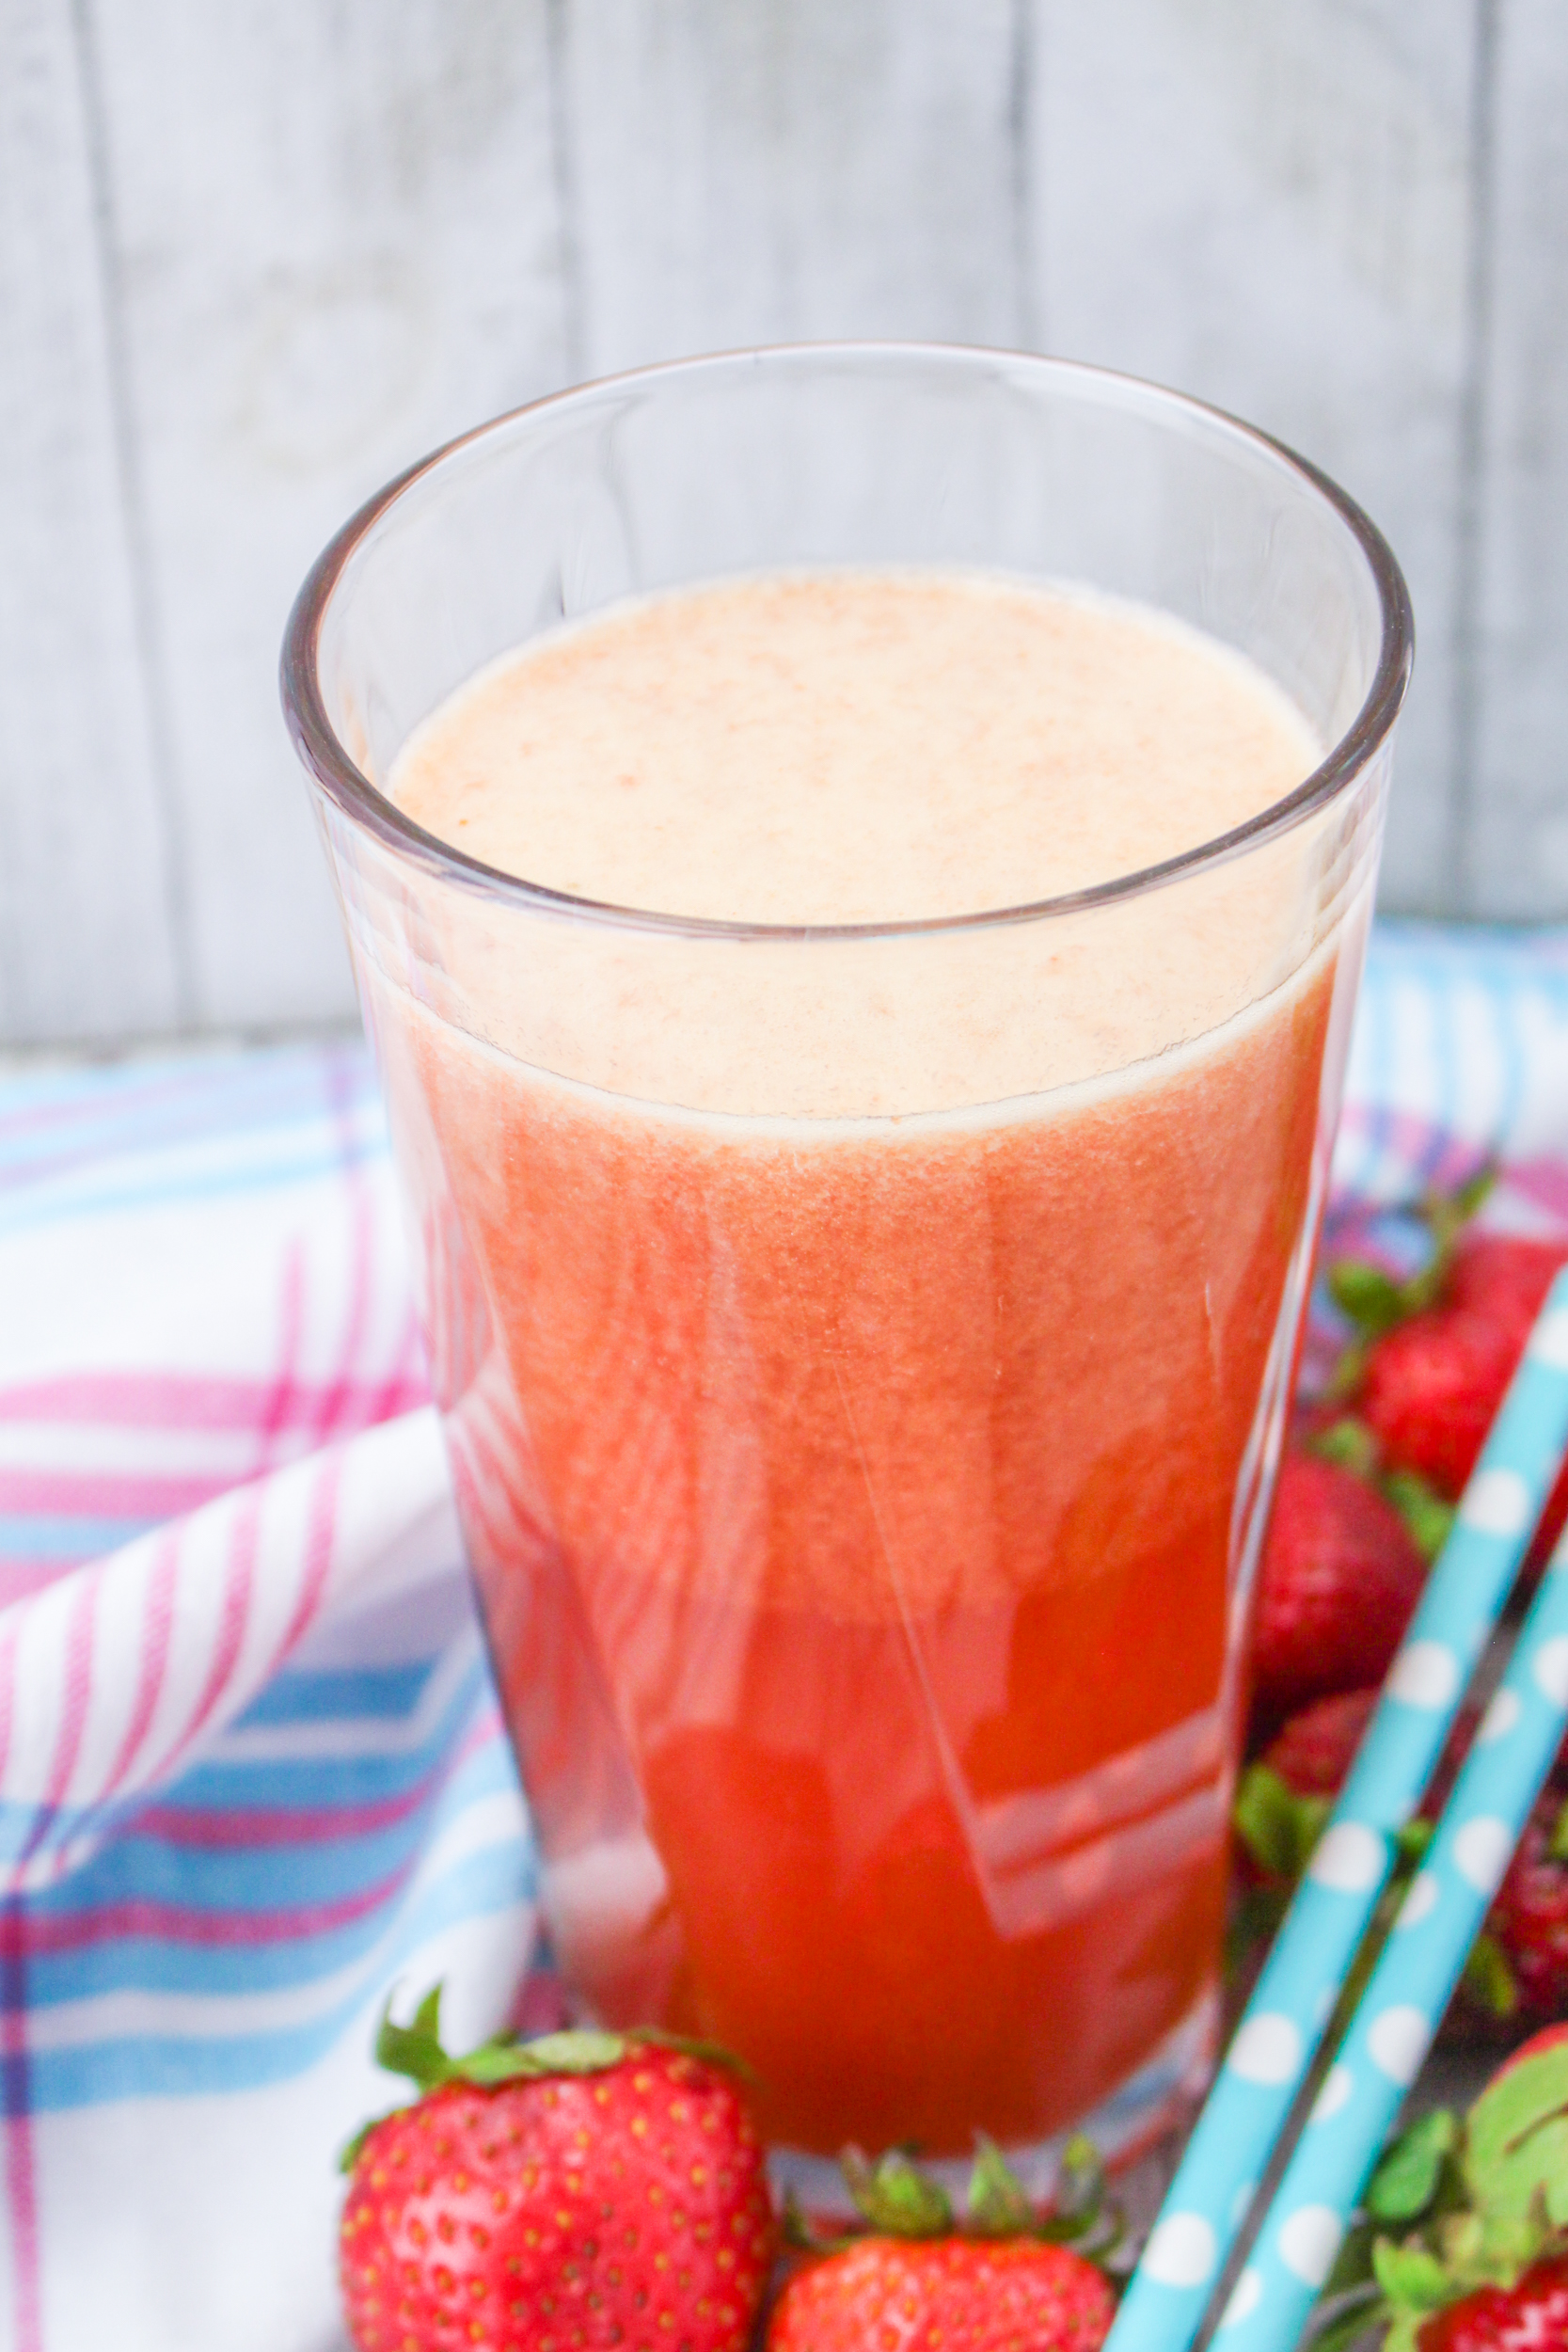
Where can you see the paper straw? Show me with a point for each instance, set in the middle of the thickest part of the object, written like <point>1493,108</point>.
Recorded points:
<point>1411,1984</point>
<point>1274,2046</point>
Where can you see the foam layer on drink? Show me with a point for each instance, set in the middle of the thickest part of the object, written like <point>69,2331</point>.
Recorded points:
<point>859,748</point>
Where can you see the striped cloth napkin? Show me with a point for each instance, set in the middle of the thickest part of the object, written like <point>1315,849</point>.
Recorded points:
<point>251,1770</point>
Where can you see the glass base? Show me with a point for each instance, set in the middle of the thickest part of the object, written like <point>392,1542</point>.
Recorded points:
<point>1150,2104</point>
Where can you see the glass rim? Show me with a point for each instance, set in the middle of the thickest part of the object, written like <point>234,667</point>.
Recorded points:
<point>325,759</point>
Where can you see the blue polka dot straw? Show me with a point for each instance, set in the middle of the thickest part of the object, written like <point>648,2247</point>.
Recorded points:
<point>1410,1987</point>
<point>1278,2039</point>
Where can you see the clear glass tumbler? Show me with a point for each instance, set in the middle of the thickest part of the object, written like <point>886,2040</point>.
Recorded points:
<point>864,1478</point>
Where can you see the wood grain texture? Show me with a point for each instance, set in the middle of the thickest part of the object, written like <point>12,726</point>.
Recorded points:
<point>255,258</point>
<point>1270,208</point>
<point>744,171</point>
<point>1516,828</point>
<point>336,236</point>
<point>87,895</point>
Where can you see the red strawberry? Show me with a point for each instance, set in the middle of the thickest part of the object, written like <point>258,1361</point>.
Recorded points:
<point>1431,1389</point>
<point>1433,1385</point>
<point>581,2189</point>
<point>960,2294</point>
<point>1548,2037</point>
<point>1313,1753</point>
<point>916,2284</point>
<point>1528,1919</point>
<point>1463,2247</point>
<point>1503,1277</point>
<point>1529,2316</point>
<point>1339,1578</point>
<point>1519,1968</point>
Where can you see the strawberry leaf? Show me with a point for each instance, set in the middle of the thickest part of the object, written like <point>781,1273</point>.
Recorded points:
<point>1447,1214</point>
<point>1082,2187</point>
<point>1411,2277</point>
<point>505,2061</point>
<point>1557,1845</point>
<point>1366,1296</point>
<point>1349,1442</point>
<point>996,2205</point>
<point>1516,2143</point>
<point>709,2053</point>
<point>1278,1828</point>
<point>1410,2173</point>
<point>415,2049</point>
<point>895,2198</point>
<point>1080,2213</point>
<point>1427,1517</point>
<point>1488,1978</point>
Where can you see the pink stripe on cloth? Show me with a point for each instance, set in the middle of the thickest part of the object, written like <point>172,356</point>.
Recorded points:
<point>21,2175</point>
<point>65,1932</point>
<point>78,1688</point>
<point>204,1401</point>
<point>254,1570</point>
<point>1542,1182</point>
<point>280,1410</point>
<point>79,1931</point>
<point>320,1535</point>
<point>108,1494</point>
<point>201,1829</point>
<point>157,1626</point>
<point>236,1609</point>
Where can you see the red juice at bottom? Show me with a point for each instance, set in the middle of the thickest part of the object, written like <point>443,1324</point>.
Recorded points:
<point>861,1495</point>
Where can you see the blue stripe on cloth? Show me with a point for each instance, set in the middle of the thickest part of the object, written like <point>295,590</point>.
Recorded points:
<point>63,1535</point>
<point>153,1189</point>
<point>299,1696</point>
<point>219,1949</point>
<point>194,2062</point>
<point>210,1804</point>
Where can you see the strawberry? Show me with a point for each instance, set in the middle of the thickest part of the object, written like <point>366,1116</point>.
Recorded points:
<point>1339,1578</point>
<point>1503,1278</point>
<point>1432,1387</point>
<point>579,2189</point>
<point>916,2284</point>
<point>1463,2247</point>
<point>964,2295</point>
<point>1438,1352</point>
<point>1313,1751</point>
<point>1529,2316</point>
<point>1529,1919</point>
<point>1519,1969</point>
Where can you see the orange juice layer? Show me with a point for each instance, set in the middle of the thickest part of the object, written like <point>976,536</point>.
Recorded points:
<point>857,1505</point>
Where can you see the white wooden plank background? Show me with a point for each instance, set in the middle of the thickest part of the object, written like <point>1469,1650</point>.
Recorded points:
<point>255,257</point>
<point>336,234</point>
<point>1269,207</point>
<point>787,172</point>
<point>90,935</point>
<point>1514,852</point>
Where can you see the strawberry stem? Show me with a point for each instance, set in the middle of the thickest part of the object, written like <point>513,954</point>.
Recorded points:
<point>896,2198</point>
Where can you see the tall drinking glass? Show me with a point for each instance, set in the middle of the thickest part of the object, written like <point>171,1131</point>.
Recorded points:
<point>863,1363</point>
